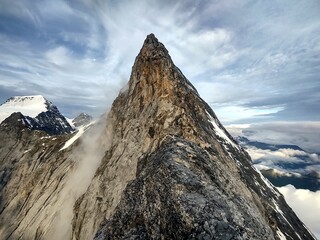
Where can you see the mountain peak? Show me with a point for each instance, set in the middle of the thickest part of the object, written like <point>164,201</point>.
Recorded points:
<point>152,49</point>
<point>183,162</point>
<point>40,113</point>
<point>28,105</point>
<point>81,120</point>
<point>151,39</point>
<point>31,98</point>
<point>154,76</point>
<point>161,166</point>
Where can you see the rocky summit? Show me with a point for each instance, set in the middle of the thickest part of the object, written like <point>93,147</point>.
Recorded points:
<point>159,165</point>
<point>81,120</point>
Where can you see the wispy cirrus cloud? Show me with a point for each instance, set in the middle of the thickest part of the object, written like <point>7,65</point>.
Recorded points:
<point>264,56</point>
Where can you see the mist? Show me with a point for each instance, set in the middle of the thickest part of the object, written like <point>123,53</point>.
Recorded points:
<point>86,155</point>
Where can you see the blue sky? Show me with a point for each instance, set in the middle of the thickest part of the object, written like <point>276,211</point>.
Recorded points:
<point>252,61</point>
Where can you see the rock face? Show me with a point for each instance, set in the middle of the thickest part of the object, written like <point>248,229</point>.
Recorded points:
<point>40,182</point>
<point>38,114</point>
<point>173,172</point>
<point>162,167</point>
<point>30,172</point>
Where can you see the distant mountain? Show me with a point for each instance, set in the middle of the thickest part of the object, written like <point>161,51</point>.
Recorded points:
<point>266,146</point>
<point>284,164</point>
<point>30,106</point>
<point>37,113</point>
<point>82,119</point>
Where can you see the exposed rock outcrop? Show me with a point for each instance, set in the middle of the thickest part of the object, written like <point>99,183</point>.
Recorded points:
<point>163,167</point>
<point>172,170</point>
<point>40,182</point>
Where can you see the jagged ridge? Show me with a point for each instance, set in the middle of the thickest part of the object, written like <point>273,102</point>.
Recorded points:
<point>169,171</point>
<point>173,172</point>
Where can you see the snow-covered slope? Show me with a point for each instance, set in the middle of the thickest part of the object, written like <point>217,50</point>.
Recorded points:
<point>38,114</point>
<point>81,129</point>
<point>28,105</point>
<point>80,121</point>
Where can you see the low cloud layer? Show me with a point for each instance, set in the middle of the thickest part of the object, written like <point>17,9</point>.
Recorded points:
<point>286,161</point>
<point>305,204</point>
<point>304,134</point>
<point>256,60</point>
<point>281,155</point>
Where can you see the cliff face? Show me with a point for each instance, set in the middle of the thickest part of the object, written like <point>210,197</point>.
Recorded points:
<point>172,171</point>
<point>40,182</point>
<point>31,173</point>
<point>162,167</point>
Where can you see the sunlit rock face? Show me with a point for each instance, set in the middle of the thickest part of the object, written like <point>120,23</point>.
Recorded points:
<point>172,170</point>
<point>164,168</point>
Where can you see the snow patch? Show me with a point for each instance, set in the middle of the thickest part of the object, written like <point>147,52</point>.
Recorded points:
<point>73,139</point>
<point>267,182</point>
<point>28,105</point>
<point>69,120</point>
<point>81,130</point>
<point>281,235</point>
<point>277,209</point>
<point>220,132</point>
<point>45,137</point>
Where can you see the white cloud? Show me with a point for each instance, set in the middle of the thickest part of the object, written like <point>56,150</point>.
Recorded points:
<point>61,75</point>
<point>304,134</point>
<point>314,170</point>
<point>271,158</point>
<point>315,157</point>
<point>19,9</point>
<point>233,60</point>
<point>306,205</point>
<point>50,8</point>
<point>236,113</point>
<point>210,49</point>
<point>59,55</point>
<point>276,59</point>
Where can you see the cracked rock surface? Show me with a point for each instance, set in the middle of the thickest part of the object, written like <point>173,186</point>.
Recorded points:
<point>166,169</point>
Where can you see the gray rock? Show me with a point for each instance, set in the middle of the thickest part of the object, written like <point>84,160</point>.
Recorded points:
<point>192,181</point>
<point>162,167</point>
<point>82,119</point>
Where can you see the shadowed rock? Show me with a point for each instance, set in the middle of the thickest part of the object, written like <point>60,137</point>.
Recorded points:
<point>168,170</point>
